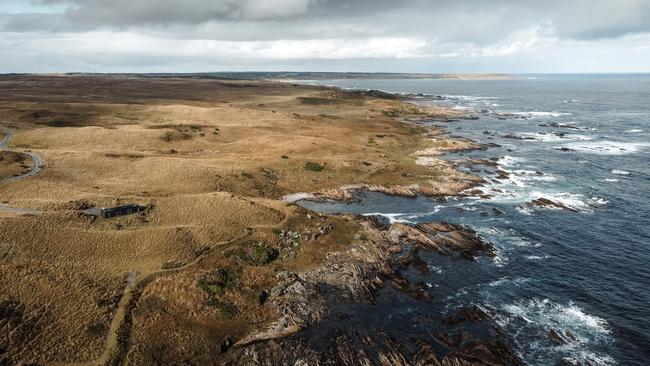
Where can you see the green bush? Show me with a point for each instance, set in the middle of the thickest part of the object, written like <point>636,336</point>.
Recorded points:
<point>314,167</point>
<point>263,254</point>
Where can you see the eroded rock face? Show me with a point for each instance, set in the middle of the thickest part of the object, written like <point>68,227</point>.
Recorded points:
<point>322,311</point>
<point>449,346</point>
<point>444,238</point>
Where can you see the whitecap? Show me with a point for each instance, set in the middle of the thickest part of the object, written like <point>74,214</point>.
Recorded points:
<point>510,160</point>
<point>503,239</point>
<point>436,269</point>
<point>537,257</point>
<point>422,214</point>
<point>609,147</point>
<point>620,172</point>
<point>392,217</point>
<point>508,281</point>
<point>551,137</point>
<point>634,131</point>
<point>467,98</point>
<point>537,114</point>
<point>547,313</point>
<point>580,331</point>
<point>526,210</point>
<point>573,201</point>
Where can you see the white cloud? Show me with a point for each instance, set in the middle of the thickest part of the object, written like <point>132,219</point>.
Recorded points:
<point>127,44</point>
<point>380,35</point>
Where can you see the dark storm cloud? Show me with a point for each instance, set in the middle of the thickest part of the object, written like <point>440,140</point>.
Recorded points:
<point>233,34</point>
<point>462,21</point>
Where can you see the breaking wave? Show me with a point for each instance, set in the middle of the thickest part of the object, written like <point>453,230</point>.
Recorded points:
<point>560,332</point>
<point>539,114</point>
<point>609,147</point>
<point>551,137</point>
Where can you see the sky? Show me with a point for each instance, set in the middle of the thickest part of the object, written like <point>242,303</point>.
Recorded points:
<point>432,36</point>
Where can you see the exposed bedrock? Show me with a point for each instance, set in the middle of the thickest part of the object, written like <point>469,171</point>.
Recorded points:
<point>323,311</point>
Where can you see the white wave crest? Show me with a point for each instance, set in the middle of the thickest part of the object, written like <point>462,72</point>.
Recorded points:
<point>392,217</point>
<point>609,147</point>
<point>551,137</point>
<point>578,330</point>
<point>536,114</point>
<point>509,160</point>
<point>467,98</point>
<point>620,172</point>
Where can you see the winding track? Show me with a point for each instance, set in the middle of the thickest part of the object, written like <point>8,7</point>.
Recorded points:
<point>9,133</point>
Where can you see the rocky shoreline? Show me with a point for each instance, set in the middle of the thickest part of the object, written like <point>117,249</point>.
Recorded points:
<point>317,306</point>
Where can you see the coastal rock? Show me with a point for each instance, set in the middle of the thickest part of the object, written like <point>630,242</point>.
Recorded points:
<point>483,162</point>
<point>559,125</point>
<point>502,174</point>
<point>547,203</point>
<point>444,238</point>
<point>320,302</point>
<point>378,347</point>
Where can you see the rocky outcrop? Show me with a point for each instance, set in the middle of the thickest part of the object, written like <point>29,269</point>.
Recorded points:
<point>547,203</point>
<point>315,306</point>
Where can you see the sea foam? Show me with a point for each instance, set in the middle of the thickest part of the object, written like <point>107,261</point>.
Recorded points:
<point>609,147</point>
<point>581,332</point>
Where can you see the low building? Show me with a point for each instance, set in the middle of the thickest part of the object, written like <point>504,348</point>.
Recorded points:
<point>120,210</point>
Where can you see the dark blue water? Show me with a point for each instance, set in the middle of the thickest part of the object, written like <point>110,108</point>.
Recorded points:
<point>582,274</point>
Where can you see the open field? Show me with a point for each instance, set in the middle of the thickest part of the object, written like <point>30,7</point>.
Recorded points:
<point>210,161</point>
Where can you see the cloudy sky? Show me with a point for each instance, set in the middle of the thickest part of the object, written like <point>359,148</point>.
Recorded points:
<point>325,35</point>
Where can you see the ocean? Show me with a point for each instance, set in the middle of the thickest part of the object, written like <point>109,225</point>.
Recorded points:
<point>583,273</point>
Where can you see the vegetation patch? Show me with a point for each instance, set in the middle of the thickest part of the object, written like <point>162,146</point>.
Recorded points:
<point>317,101</point>
<point>176,127</point>
<point>225,308</point>
<point>60,119</point>
<point>171,136</point>
<point>329,116</point>
<point>314,167</point>
<point>373,93</point>
<point>215,282</point>
<point>256,253</point>
<point>124,156</point>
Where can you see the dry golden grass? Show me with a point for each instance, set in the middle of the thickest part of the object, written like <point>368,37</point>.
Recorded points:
<point>210,159</point>
<point>12,164</point>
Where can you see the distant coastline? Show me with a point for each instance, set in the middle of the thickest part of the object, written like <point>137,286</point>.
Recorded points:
<point>299,76</point>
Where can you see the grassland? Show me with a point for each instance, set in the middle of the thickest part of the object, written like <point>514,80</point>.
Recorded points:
<point>210,160</point>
